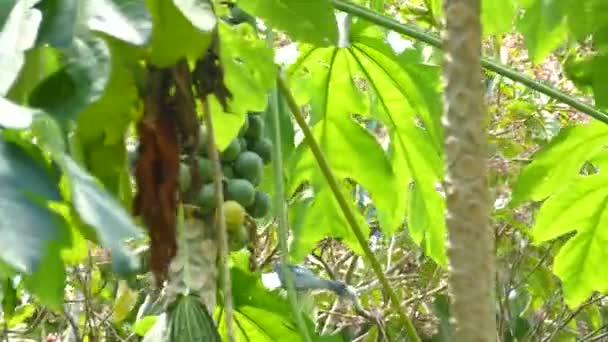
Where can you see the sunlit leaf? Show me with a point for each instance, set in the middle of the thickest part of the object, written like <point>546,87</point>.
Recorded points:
<point>18,34</point>
<point>367,80</point>
<point>78,84</point>
<point>15,116</point>
<point>28,226</point>
<point>497,16</point>
<point>249,74</point>
<point>558,163</point>
<point>580,207</point>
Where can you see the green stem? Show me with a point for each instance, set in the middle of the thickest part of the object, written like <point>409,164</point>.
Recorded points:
<point>220,220</point>
<point>346,209</point>
<point>281,212</point>
<point>489,64</point>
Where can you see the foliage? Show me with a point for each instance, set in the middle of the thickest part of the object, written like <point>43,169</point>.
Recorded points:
<point>73,75</point>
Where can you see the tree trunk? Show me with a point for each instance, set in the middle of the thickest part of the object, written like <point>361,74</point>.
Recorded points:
<point>470,239</point>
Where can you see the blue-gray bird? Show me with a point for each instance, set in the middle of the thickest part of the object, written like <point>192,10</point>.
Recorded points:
<point>304,279</point>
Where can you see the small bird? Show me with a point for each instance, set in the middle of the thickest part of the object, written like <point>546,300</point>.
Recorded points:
<point>305,280</point>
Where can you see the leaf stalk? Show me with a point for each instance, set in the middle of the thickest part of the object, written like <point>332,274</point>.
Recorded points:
<point>346,209</point>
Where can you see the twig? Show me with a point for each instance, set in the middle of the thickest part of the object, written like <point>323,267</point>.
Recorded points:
<point>346,209</point>
<point>571,316</point>
<point>220,220</point>
<point>426,294</point>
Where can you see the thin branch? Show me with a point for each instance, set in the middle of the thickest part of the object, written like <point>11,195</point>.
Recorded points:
<point>220,220</point>
<point>346,209</point>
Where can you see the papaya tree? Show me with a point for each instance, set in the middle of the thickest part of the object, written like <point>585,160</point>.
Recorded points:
<point>470,239</point>
<point>259,170</point>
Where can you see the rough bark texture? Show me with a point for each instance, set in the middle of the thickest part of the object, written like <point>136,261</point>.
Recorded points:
<point>470,239</point>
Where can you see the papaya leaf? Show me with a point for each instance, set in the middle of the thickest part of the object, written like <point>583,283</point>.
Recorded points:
<point>557,164</point>
<point>79,83</point>
<point>367,79</point>
<point>543,27</point>
<point>28,225</point>
<point>249,73</point>
<point>102,125</point>
<point>32,234</point>
<point>311,22</point>
<point>182,28</point>
<point>18,35</point>
<point>15,116</point>
<point>497,16</point>
<point>199,13</point>
<point>65,20</point>
<point>589,18</point>
<point>40,63</point>
<point>100,210</point>
<point>580,207</point>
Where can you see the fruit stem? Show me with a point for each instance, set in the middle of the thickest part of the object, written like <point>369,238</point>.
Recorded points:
<point>346,209</point>
<point>220,220</point>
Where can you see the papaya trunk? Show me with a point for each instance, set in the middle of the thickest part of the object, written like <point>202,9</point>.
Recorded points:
<point>470,238</point>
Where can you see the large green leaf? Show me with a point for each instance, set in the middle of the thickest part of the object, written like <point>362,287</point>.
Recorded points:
<point>40,63</point>
<point>591,72</point>
<point>543,26</point>
<point>589,17</point>
<point>367,79</point>
<point>581,207</point>
<point>82,81</point>
<point>556,166</point>
<point>101,211</point>
<point>28,226</point>
<point>182,28</point>
<point>18,34</point>
<point>15,116</point>
<point>249,73</point>
<point>497,16</point>
<point>64,20</point>
<point>311,22</point>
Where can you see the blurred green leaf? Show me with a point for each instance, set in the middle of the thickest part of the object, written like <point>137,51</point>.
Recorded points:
<point>543,27</point>
<point>81,82</point>
<point>182,29</point>
<point>143,325</point>
<point>28,226</point>
<point>497,16</point>
<point>366,80</point>
<point>18,34</point>
<point>249,74</point>
<point>15,116</point>
<point>65,20</point>
<point>311,22</point>
<point>100,210</point>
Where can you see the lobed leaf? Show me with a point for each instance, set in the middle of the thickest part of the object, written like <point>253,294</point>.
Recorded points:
<point>310,22</point>
<point>557,164</point>
<point>367,79</point>
<point>18,35</point>
<point>581,207</point>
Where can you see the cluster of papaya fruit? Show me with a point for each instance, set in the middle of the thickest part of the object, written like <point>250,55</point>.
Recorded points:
<point>242,164</point>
